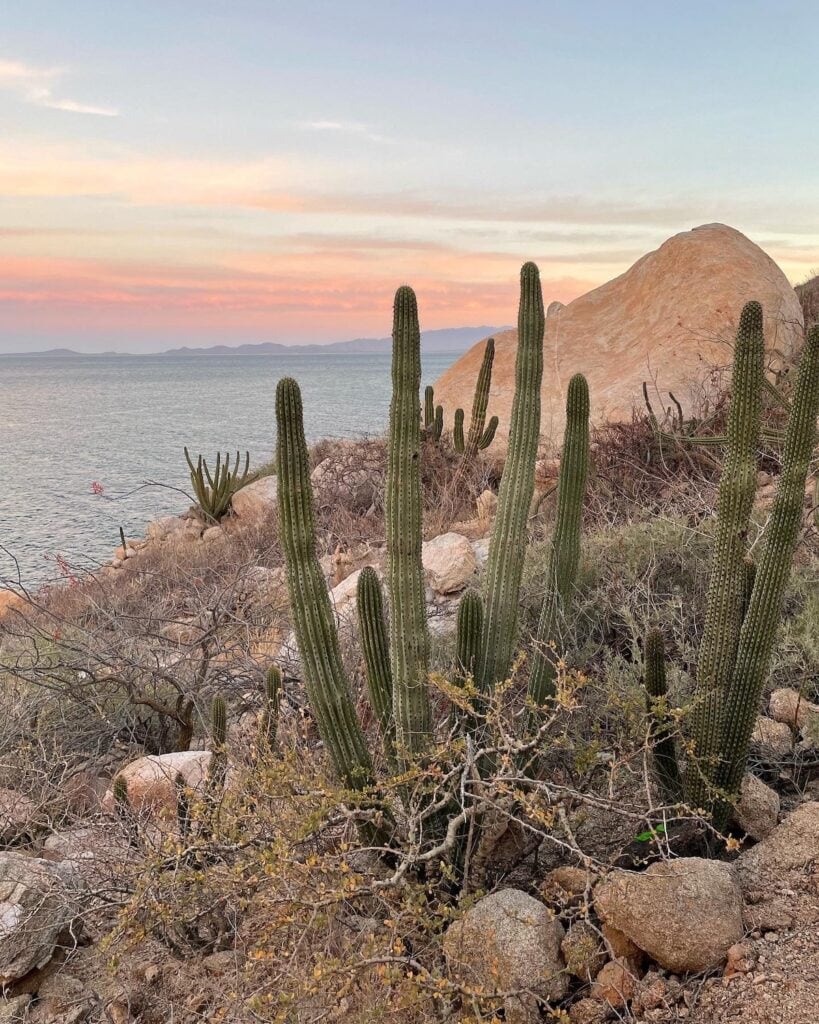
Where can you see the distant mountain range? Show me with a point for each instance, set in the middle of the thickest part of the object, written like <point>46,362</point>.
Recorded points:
<point>448,341</point>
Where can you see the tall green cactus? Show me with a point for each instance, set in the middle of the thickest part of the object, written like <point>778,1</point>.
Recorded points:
<point>269,721</point>
<point>458,431</point>
<point>479,437</point>
<point>468,638</point>
<point>664,753</point>
<point>313,617</point>
<point>217,766</point>
<point>773,571</point>
<point>723,617</point>
<point>564,554</point>
<point>372,631</point>
<point>507,545</point>
<point>488,436</point>
<point>429,406</point>
<point>409,637</point>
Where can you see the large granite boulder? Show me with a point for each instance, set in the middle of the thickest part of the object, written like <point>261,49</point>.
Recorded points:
<point>684,913</point>
<point>38,901</point>
<point>151,780</point>
<point>672,313</point>
<point>509,942</point>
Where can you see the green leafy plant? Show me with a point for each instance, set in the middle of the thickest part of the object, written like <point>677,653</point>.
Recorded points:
<point>214,490</point>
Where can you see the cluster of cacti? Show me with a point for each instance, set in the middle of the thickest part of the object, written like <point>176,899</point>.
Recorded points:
<point>213,490</point>
<point>481,434</point>
<point>744,598</point>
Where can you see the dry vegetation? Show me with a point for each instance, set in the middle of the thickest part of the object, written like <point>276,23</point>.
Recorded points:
<point>265,903</point>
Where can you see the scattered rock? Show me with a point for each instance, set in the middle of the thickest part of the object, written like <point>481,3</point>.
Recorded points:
<point>84,792</point>
<point>790,847</point>
<point>651,993</point>
<point>741,959</point>
<point>509,941</point>
<point>18,816</point>
<point>213,533</point>
<point>684,913</point>
<point>773,740</point>
<point>151,780</point>
<point>615,984</point>
<point>790,707</point>
<point>38,900</point>
<point>164,527</point>
<point>14,1010</point>
<point>486,504</point>
<point>256,500</point>
<point>757,811</point>
<point>620,945</point>
<point>449,562</point>
<point>583,952</point>
<point>588,1011</point>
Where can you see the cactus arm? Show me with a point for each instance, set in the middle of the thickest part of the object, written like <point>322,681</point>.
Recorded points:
<point>724,609</point>
<point>269,721</point>
<point>429,406</point>
<point>480,401</point>
<point>666,767</point>
<point>313,617</point>
<point>438,424</point>
<point>409,637</point>
<point>468,639</point>
<point>508,542</point>
<point>217,767</point>
<point>564,554</point>
<point>458,431</point>
<point>372,630</point>
<point>773,571</point>
<point>488,436</point>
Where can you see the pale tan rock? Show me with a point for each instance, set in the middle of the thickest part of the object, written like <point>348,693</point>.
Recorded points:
<point>509,941</point>
<point>38,899</point>
<point>774,739</point>
<point>449,562</point>
<point>162,528</point>
<point>151,780</point>
<point>790,707</point>
<point>18,816</point>
<point>10,601</point>
<point>615,984</point>
<point>684,913</point>
<point>670,315</point>
<point>486,504</point>
<point>792,846</point>
<point>256,500</point>
<point>757,811</point>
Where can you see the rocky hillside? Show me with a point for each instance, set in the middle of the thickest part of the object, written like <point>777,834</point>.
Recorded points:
<point>665,320</point>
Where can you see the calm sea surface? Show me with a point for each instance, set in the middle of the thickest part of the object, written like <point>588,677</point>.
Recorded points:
<point>121,421</point>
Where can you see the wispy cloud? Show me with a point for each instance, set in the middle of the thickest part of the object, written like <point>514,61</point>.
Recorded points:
<point>356,129</point>
<point>37,86</point>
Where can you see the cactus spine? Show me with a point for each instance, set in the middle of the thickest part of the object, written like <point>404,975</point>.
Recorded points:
<point>773,570</point>
<point>313,618</point>
<point>666,768</point>
<point>269,722</point>
<point>372,630</point>
<point>508,542</point>
<point>723,617</point>
<point>409,638</point>
<point>564,556</point>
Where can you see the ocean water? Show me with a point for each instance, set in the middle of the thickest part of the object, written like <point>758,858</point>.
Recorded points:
<point>69,422</point>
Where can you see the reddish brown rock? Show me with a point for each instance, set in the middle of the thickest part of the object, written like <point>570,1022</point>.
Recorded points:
<point>674,312</point>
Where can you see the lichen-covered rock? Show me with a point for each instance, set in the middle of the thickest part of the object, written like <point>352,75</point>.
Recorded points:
<point>583,951</point>
<point>449,562</point>
<point>685,914</point>
<point>38,900</point>
<point>508,941</point>
<point>771,739</point>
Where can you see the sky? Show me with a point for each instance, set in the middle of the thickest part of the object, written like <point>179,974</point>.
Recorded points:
<point>199,172</point>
